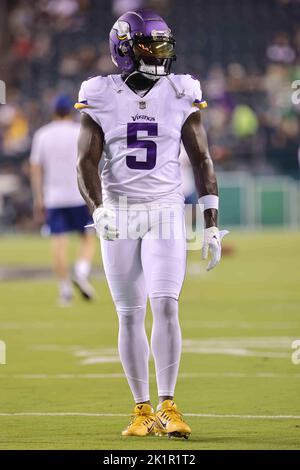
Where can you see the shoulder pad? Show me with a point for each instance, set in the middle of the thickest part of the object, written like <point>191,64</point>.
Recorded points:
<point>89,91</point>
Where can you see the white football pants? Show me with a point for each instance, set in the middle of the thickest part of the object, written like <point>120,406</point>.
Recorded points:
<point>149,263</point>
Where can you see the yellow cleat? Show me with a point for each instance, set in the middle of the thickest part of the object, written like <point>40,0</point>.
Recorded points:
<point>168,420</point>
<point>142,422</point>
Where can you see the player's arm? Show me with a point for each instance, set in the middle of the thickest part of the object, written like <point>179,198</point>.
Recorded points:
<point>90,148</point>
<point>36,177</point>
<point>194,139</point>
<point>195,142</point>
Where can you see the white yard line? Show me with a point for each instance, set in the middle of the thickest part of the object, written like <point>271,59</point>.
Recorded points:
<point>183,375</point>
<point>238,325</point>
<point>229,416</point>
<point>275,347</point>
<point>61,414</point>
<point>116,415</point>
<point>222,324</point>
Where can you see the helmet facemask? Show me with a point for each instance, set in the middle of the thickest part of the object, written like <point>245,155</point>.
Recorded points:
<point>153,55</point>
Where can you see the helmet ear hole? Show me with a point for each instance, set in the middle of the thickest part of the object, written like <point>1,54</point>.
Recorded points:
<point>123,50</point>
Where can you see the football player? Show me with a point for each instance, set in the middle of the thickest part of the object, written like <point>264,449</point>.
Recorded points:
<point>56,198</point>
<point>137,120</point>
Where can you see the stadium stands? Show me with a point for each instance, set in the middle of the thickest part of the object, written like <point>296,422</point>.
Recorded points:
<point>246,54</point>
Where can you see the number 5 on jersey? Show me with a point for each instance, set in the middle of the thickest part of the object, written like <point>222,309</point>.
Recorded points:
<point>133,142</point>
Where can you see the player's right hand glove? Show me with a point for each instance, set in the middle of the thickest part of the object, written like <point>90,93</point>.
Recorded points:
<point>105,223</point>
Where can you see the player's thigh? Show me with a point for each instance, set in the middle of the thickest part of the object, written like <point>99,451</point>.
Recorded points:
<point>164,263</point>
<point>124,273</point>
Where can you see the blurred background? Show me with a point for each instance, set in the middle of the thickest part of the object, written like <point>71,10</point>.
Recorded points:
<point>239,321</point>
<point>246,58</point>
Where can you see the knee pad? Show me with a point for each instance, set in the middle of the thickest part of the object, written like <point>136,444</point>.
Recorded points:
<point>131,314</point>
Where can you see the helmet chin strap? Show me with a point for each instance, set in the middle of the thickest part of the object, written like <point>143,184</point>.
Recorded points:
<point>148,72</point>
<point>127,78</point>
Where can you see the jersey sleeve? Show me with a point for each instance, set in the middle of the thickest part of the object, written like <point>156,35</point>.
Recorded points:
<point>87,99</point>
<point>36,154</point>
<point>194,94</point>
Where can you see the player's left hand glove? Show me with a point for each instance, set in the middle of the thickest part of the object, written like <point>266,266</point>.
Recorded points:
<point>212,242</point>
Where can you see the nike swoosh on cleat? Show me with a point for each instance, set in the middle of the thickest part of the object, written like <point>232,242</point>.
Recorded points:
<point>149,429</point>
<point>163,424</point>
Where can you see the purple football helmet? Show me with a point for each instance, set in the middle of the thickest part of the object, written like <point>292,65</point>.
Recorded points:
<point>141,41</point>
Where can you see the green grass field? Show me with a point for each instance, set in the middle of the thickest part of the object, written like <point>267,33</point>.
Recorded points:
<point>63,387</point>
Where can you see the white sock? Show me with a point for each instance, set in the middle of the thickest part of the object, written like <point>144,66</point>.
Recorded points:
<point>134,350</point>
<point>65,288</point>
<point>82,268</point>
<point>166,343</point>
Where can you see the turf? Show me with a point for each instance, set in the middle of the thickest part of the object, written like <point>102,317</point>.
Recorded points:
<point>238,325</point>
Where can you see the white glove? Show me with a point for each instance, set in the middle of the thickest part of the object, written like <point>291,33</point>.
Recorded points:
<point>212,242</point>
<point>105,223</point>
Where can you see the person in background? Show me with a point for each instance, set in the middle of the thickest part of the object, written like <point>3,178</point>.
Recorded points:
<point>57,200</point>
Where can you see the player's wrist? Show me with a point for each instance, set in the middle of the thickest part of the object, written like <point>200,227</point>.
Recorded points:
<point>210,201</point>
<point>97,213</point>
<point>209,205</point>
<point>211,218</point>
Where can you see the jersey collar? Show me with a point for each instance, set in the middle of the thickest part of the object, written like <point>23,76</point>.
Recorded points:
<point>119,84</point>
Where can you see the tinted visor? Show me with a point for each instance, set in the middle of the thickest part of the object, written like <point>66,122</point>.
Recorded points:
<point>155,49</point>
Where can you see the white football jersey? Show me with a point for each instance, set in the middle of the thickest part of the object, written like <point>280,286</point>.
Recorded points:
<point>142,135</point>
<point>54,147</point>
